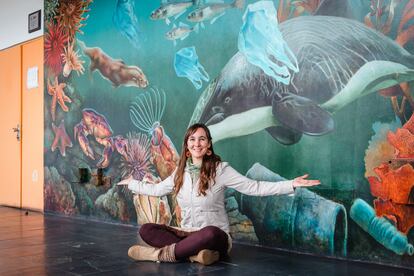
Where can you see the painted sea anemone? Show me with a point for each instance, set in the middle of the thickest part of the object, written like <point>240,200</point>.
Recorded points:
<point>70,15</point>
<point>50,9</point>
<point>138,162</point>
<point>55,41</point>
<point>72,61</point>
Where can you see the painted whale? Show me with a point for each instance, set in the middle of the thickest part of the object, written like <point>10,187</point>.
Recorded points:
<point>339,60</point>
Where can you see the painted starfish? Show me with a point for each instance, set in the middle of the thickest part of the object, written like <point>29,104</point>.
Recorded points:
<point>59,96</point>
<point>62,139</point>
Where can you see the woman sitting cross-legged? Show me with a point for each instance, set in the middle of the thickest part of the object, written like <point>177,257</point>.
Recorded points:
<point>199,183</point>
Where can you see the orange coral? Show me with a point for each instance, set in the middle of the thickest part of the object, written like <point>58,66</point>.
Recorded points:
<point>400,214</point>
<point>409,125</point>
<point>285,10</point>
<point>403,140</point>
<point>394,185</point>
<point>308,5</point>
<point>70,15</point>
<point>405,35</point>
<point>376,18</point>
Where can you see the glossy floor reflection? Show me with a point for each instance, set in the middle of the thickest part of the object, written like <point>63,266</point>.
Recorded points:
<point>37,244</point>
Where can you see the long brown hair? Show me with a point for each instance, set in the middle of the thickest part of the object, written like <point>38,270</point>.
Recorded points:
<point>208,166</point>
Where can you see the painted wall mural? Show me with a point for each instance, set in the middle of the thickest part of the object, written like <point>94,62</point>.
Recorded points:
<point>286,87</point>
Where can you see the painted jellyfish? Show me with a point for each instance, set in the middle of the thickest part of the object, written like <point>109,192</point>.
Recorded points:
<point>145,113</point>
<point>262,43</point>
<point>126,22</point>
<point>186,64</point>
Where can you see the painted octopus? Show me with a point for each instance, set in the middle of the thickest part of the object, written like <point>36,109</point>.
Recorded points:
<point>95,124</point>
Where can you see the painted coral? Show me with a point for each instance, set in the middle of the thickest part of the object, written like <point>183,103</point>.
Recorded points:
<point>50,9</point>
<point>309,6</point>
<point>70,16</point>
<point>71,61</point>
<point>406,31</point>
<point>138,155</point>
<point>381,15</point>
<point>288,9</point>
<point>403,140</point>
<point>379,149</point>
<point>55,41</point>
<point>393,184</point>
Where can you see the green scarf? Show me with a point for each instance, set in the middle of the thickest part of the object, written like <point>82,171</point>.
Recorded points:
<point>194,170</point>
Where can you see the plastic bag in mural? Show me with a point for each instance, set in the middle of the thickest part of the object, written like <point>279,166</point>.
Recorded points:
<point>126,22</point>
<point>186,65</point>
<point>262,43</point>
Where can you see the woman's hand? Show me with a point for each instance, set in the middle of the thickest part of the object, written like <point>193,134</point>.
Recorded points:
<point>125,181</point>
<point>301,181</point>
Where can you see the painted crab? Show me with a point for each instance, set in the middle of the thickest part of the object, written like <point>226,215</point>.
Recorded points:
<point>95,124</point>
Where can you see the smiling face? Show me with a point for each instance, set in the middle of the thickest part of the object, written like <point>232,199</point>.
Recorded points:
<point>198,145</point>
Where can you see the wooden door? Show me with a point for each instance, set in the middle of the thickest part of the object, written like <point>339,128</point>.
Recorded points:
<point>32,125</point>
<point>10,124</point>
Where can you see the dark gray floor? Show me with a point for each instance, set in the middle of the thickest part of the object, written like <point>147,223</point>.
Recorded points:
<point>37,244</point>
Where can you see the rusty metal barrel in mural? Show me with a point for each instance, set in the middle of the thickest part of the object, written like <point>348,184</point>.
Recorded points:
<point>302,221</point>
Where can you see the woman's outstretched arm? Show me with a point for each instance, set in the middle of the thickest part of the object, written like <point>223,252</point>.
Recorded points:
<point>232,179</point>
<point>162,188</point>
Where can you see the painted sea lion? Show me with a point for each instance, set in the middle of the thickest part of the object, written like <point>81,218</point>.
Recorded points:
<point>337,65</point>
<point>114,70</point>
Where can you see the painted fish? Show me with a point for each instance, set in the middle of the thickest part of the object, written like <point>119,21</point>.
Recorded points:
<point>165,11</point>
<point>213,11</point>
<point>181,32</point>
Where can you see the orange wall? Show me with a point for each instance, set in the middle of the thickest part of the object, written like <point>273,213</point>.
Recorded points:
<point>32,128</point>
<point>10,100</point>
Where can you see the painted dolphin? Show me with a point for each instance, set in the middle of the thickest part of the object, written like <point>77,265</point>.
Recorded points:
<point>337,65</point>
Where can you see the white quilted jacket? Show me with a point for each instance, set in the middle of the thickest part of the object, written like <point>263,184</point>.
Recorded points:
<point>198,211</point>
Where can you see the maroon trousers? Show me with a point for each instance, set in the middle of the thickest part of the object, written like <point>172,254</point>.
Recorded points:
<point>187,243</point>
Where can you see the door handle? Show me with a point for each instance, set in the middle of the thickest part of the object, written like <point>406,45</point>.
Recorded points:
<point>17,130</point>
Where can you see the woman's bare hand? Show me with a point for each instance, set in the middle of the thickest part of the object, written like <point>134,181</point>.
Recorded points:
<point>301,181</point>
<point>125,181</point>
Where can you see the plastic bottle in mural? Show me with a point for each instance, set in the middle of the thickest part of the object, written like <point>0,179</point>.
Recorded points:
<point>380,228</point>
